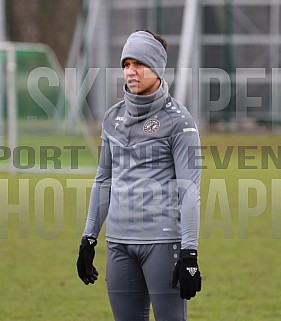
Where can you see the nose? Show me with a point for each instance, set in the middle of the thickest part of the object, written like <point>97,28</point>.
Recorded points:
<point>131,70</point>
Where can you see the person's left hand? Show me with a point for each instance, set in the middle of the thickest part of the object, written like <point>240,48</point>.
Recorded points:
<point>187,273</point>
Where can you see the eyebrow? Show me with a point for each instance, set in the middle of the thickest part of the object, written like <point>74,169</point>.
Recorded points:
<point>133,61</point>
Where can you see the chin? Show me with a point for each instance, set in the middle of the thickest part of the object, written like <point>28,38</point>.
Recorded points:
<point>134,90</point>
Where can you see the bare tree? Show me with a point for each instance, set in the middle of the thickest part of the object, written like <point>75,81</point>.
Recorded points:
<point>51,22</point>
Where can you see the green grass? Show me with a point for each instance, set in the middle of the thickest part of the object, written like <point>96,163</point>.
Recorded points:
<point>239,256</point>
<point>51,150</point>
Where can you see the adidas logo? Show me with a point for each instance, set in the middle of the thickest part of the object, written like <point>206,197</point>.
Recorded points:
<point>192,270</point>
<point>91,241</point>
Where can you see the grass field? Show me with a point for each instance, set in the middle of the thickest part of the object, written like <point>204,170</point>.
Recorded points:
<point>239,248</point>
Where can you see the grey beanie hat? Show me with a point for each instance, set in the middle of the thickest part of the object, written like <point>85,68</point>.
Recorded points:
<point>143,47</point>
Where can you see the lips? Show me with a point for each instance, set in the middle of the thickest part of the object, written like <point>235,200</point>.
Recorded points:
<point>132,82</point>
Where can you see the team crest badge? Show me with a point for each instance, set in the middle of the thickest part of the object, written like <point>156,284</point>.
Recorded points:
<point>151,126</point>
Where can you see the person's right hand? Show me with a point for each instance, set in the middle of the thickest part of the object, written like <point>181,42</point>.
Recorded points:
<point>86,271</point>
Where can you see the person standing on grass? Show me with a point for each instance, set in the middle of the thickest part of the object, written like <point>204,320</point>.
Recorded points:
<point>148,186</point>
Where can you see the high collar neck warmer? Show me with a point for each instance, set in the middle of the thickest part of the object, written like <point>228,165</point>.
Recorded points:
<point>140,107</point>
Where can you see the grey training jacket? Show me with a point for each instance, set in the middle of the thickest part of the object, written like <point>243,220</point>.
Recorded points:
<point>148,179</point>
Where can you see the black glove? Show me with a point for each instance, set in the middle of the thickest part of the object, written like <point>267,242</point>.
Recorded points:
<point>187,273</point>
<point>86,271</point>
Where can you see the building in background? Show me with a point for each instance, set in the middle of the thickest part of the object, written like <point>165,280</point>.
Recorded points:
<point>237,40</point>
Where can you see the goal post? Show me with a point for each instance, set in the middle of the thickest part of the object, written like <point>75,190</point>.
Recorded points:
<point>33,111</point>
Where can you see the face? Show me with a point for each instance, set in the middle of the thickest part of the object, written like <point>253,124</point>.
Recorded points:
<point>140,79</point>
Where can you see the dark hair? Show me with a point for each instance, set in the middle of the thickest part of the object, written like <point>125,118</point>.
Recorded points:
<point>157,37</point>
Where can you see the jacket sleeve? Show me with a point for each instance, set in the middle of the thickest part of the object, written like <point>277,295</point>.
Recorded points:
<point>100,193</point>
<point>187,161</point>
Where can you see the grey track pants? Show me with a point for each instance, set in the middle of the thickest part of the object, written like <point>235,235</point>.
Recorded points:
<point>140,274</point>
